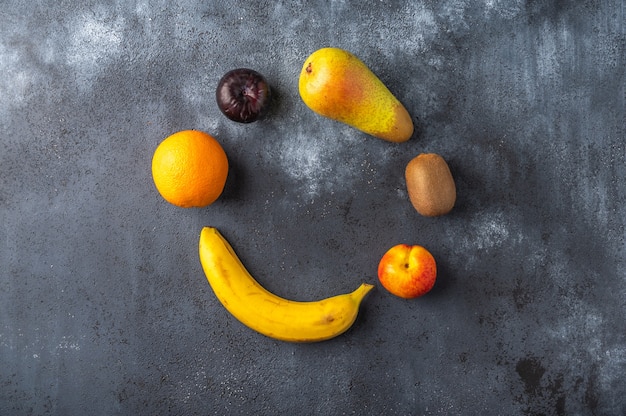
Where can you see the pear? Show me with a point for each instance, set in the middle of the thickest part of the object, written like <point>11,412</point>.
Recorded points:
<point>336,84</point>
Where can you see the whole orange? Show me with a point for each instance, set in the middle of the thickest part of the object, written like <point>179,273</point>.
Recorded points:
<point>189,169</point>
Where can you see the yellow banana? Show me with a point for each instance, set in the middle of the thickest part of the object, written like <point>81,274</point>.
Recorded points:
<point>265,312</point>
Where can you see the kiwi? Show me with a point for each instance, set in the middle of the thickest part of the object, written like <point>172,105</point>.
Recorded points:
<point>430,185</point>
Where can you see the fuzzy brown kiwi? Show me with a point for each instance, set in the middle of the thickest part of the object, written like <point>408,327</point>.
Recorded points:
<point>430,185</point>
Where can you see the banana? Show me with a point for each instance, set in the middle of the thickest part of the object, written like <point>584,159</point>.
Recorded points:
<point>263,311</point>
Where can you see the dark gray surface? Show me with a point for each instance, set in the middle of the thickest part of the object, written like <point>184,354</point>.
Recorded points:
<point>104,308</point>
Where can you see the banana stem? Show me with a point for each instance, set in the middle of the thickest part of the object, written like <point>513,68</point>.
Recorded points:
<point>361,291</point>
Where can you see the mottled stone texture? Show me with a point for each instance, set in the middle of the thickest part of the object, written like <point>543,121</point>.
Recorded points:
<point>104,309</point>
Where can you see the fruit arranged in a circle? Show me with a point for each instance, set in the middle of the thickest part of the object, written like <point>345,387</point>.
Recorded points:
<point>243,95</point>
<point>407,271</point>
<point>189,169</point>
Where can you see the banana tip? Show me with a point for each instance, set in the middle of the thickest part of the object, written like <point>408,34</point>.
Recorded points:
<point>362,290</point>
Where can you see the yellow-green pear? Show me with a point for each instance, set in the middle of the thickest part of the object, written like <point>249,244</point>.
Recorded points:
<point>338,85</point>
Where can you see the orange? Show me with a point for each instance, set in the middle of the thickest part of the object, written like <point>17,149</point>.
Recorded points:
<point>189,169</point>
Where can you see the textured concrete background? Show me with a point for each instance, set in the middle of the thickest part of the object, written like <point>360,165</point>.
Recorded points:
<point>104,309</point>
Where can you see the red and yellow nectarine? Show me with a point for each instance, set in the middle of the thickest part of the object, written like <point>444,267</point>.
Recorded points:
<point>407,271</point>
